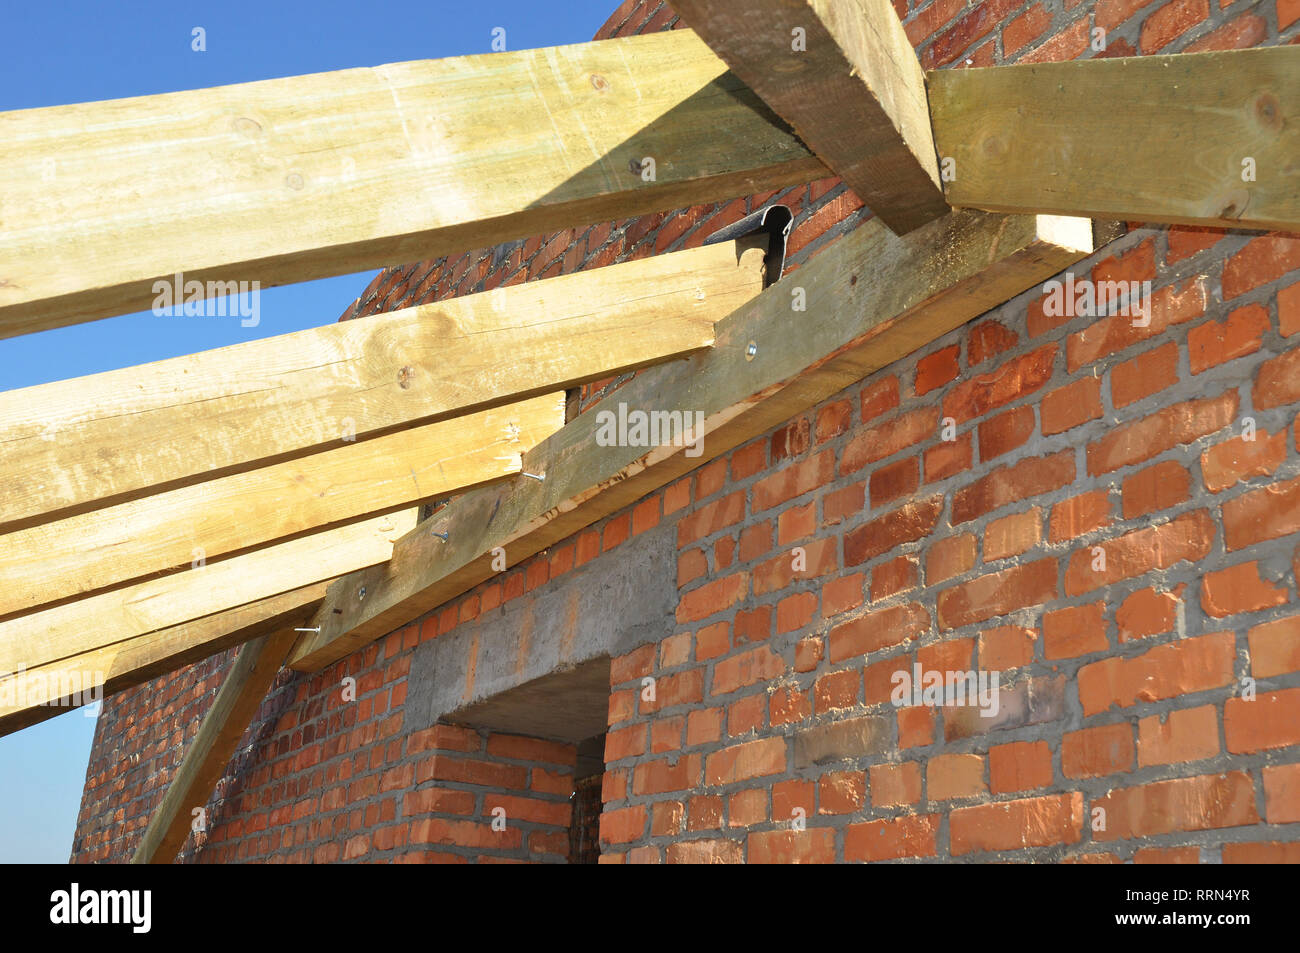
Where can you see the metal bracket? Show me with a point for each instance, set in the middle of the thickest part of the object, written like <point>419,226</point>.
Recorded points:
<point>775,220</point>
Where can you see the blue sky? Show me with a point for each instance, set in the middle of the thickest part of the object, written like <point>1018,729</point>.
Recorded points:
<point>85,50</point>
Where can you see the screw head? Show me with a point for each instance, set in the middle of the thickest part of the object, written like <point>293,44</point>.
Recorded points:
<point>361,593</point>
<point>751,350</point>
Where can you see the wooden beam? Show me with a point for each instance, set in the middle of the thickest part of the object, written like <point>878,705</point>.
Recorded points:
<point>32,696</point>
<point>75,628</point>
<point>1149,138</point>
<point>871,298</point>
<point>844,75</point>
<point>293,179</point>
<point>74,445</point>
<point>206,757</point>
<point>114,546</point>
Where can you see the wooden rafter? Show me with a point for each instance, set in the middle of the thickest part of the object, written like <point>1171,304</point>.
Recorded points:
<point>871,299</point>
<point>293,179</point>
<point>207,755</point>
<point>246,511</point>
<point>1193,138</point>
<point>37,694</point>
<point>75,628</point>
<point>844,75</point>
<point>73,445</point>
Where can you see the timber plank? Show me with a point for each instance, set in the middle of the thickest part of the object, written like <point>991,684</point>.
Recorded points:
<point>93,441</point>
<point>333,173</point>
<point>855,92</point>
<point>871,298</point>
<point>84,625</point>
<point>1043,136</point>
<point>114,546</point>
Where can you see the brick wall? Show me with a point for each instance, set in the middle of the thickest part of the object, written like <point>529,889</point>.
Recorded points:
<point>856,541</point>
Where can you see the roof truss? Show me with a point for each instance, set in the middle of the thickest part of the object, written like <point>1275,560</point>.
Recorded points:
<point>363,168</point>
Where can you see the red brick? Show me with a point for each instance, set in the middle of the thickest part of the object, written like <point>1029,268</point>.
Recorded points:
<point>759,664</point>
<point>840,595</point>
<point>948,457</point>
<point>1239,588</point>
<point>1144,375</point>
<point>1165,671</point>
<point>833,420</point>
<point>915,727</point>
<point>878,398</point>
<point>753,625</point>
<point>1261,853</point>
<point>795,611</point>
<point>1111,13</point>
<point>1005,432</point>
<point>712,597</point>
<point>877,630</point>
<point>1278,381</point>
<point>949,556</point>
<point>988,339</point>
<point>892,838</point>
<point>708,851</point>
<point>1187,734</point>
<point>894,785</point>
<point>1275,647</point>
<point>895,576</point>
<point>620,825</point>
<point>711,518</point>
<point>1171,21</point>
<point>935,370</point>
<point>1079,515</point>
<point>533,749</point>
<point>819,558</point>
<point>741,762</point>
<point>1288,300</point>
<point>1202,803</point>
<point>1264,259</point>
<point>663,775</point>
<point>1013,483</point>
<point>745,462</point>
<point>1006,647</point>
<point>1236,460</point>
<point>1070,406</point>
<point>816,845</point>
<point>1266,513</point>
<point>1185,537</point>
<point>1074,631</point>
<point>843,502</point>
<point>1147,612</point>
<point>1265,722</point>
<point>975,397</point>
<point>894,480</point>
<point>841,792</point>
<point>1025,28</point>
<point>1187,240</point>
<point>979,22</point>
<point>1161,431</point>
<point>1158,487</point>
<point>1282,793</point>
<point>1013,825</point>
<point>904,525</point>
<point>1020,766</point>
<point>1215,343</point>
<point>1096,752</point>
<point>1012,535</point>
<point>1168,306</point>
<point>836,690</point>
<point>791,440</point>
<point>949,776</point>
<point>794,481</point>
<point>998,593</point>
<point>887,439</point>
